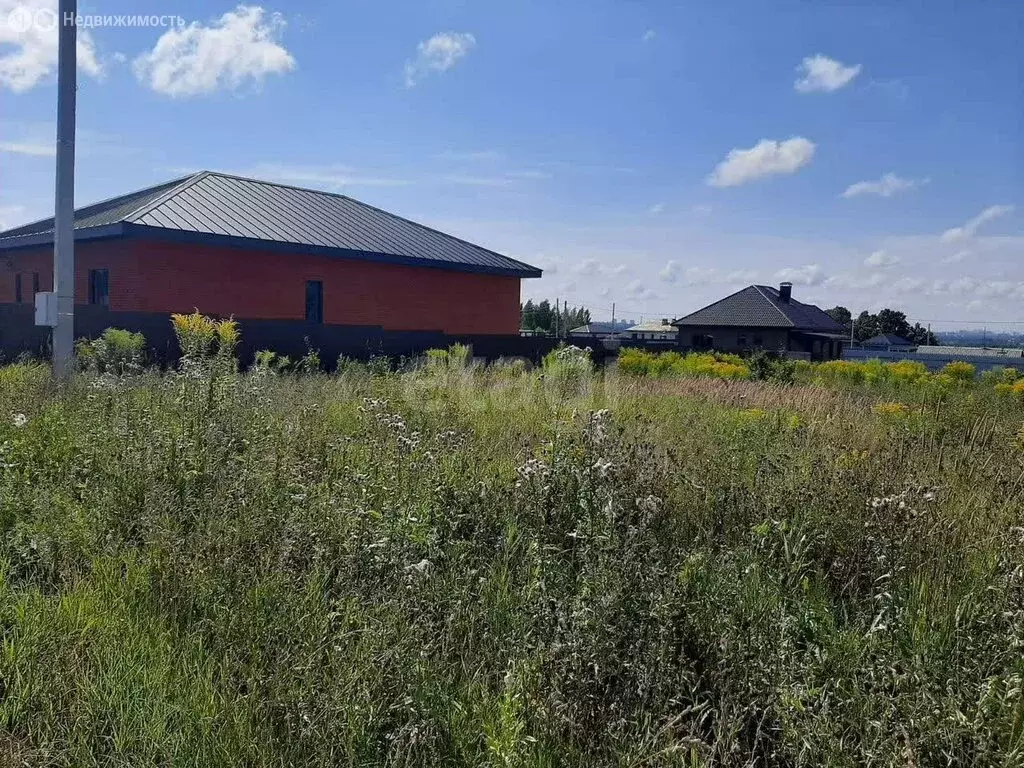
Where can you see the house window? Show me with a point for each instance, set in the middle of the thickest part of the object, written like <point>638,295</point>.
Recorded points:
<point>17,288</point>
<point>758,341</point>
<point>99,287</point>
<point>741,340</point>
<point>314,301</point>
<point>35,284</point>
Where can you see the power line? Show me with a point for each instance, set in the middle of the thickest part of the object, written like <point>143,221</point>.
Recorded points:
<point>969,322</point>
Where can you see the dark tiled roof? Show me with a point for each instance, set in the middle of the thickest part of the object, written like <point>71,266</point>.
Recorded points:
<point>759,306</point>
<point>221,206</point>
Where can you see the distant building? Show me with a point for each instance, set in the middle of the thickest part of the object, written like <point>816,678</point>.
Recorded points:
<point>653,330</point>
<point>891,342</point>
<point>762,317</point>
<point>595,330</point>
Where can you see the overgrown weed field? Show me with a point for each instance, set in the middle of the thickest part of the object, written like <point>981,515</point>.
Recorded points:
<point>458,565</point>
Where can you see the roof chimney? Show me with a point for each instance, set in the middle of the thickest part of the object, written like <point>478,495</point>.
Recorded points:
<point>664,321</point>
<point>785,292</point>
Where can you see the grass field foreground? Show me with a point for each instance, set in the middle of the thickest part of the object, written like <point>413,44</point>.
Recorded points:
<point>465,566</point>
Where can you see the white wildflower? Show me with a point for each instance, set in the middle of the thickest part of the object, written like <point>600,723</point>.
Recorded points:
<point>422,568</point>
<point>20,420</point>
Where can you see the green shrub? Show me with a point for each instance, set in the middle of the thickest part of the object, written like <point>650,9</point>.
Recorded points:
<point>907,371</point>
<point>959,371</point>
<point>771,366</point>
<point>635,362</point>
<point>567,365</point>
<point>456,358</point>
<point>116,351</point>
<point>1004,375</point>
<point>310,362</point>
<point>268,361</point>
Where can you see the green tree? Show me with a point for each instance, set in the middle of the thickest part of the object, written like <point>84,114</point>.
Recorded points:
<point>542,317</point>
<point>888,321</point>
<point>841,315</point>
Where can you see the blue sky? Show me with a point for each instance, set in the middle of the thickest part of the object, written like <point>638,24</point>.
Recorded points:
<point>656,155</point>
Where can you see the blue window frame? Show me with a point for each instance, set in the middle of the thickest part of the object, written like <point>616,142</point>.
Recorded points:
<point>99,287</point>
<point>314,301</point>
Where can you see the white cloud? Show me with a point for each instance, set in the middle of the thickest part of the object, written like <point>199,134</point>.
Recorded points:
<point>670,272</point>
<point>858,281</point>
<point>31,148</point>
<point>907,285</point>
<point>881,259</point>
<point>649,35</point>
<point>438,54</point>
<point>657,208</point>
<point>702,210</point>
<point>955,258</point>
<point>712,276</point>
<point>329,177</point>
<point>887,186</point>
<point>809,274</point>
<point>820,73</point>
<point>637,290</point>
<point>238,48</point>
<point>30,26</point>
<point>766,158</point>
<point>970,229</point>
<point>591,267</point>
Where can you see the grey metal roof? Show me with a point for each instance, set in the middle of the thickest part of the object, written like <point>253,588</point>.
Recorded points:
<point>759,306</point>
<point>110,211</point>
<point>225,208</point>
<point>594,328</point>
<point>654,326</point>
<point>971,351</point>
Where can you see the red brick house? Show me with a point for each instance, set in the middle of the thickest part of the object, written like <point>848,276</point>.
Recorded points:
<point>226,245</point>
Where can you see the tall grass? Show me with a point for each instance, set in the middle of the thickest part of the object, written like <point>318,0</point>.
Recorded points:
<point>489,566</point>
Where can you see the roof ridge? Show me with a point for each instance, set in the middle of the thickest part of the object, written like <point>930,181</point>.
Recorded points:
<point>179,186</point>
<point>767,298</point>
<point>522,264</point>
<point>713,304</point>
<point>98,204</point>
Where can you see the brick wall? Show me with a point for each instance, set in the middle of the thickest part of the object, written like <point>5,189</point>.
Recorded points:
<point>727,339</point>
<point>154,276</point>
<point>113,255</point>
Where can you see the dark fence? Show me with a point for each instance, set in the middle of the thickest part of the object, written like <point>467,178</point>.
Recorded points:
<point>19,335</point>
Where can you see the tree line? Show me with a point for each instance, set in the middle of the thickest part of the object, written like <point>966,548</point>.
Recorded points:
<point>886,321</point>
<point>541,317</point>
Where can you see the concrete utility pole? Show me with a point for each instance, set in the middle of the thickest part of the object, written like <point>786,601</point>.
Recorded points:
<point>64,207</point>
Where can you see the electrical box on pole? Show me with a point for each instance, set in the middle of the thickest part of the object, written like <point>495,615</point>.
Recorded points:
<point>46,309</point>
